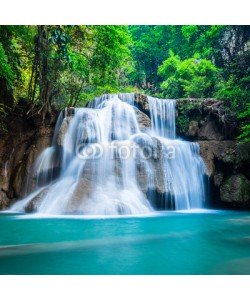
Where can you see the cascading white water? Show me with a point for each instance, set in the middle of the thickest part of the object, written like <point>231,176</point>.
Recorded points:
<point>184,174</point>
<point>162,112</point>
<point>103,166</point>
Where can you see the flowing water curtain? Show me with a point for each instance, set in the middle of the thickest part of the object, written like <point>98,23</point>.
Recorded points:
<point>162,113</point>
<point>157,165</point>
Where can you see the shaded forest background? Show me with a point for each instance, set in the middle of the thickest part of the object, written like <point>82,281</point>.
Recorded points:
<point>52,67</point>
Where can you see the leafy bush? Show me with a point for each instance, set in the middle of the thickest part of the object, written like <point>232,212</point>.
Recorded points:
<point>245,128</point>
<point>187,111</point>
<point>5,68</point>
<point>193,77</point>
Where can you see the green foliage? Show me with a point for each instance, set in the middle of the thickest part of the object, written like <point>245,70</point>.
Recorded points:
<point>245,129</point>
<point>182,124</point>
<point>187,111</point>
<point>110,51</point>
<point>99,61</point>
<point>233,90</point>
<point>70,65</point>
<point>244,137</point>
<point>6,71</point>
<point>193,77</point>
<point>152,45</point>
<point>148,51</point>
<point>59,39</point>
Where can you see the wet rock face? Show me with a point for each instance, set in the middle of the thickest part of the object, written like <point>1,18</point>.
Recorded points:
<point>214,151</point>
<point>228,166</point>
<point>143,120</point>
<point>4,200</point>
<point>33,205</point>
<point>193,128</point>
<point>155,164</point>
<point>142,103</point>
<point>24,140</point>
<point>235,190</point>
<point>210,123</point>
<point>80,195</point>
<point>209,131</point>
<point>205,119</point>
<point>63,129</point>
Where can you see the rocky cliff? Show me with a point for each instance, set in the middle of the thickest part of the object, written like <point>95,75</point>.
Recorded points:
<point>21,141</point>
<point>209,122</point>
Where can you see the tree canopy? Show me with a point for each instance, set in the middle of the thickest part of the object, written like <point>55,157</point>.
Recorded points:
<point>60,66</point>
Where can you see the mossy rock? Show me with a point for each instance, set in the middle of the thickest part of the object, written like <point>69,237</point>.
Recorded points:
<point>236,191</point>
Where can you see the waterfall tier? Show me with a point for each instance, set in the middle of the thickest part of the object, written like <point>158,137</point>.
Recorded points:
<point>112,158</point>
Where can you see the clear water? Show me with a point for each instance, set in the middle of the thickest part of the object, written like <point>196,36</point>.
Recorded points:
<point>202,242</point>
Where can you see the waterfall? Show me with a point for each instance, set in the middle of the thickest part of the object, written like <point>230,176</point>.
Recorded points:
<point>162,113</point>
<point>108,159</point>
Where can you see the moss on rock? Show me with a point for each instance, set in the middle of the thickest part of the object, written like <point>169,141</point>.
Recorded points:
<point>236,191</point>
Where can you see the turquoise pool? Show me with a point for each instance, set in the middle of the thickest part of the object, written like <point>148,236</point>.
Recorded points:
<point>199,242</point>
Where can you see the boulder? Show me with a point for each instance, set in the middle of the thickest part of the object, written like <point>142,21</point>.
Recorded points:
<point>227,164</point>
<point>33,205</point>
<point>4,200</point>
<point>214,151</point>
<point>82,193</point>
<point>225,155</point>
<point>235,190</point>
<point>210,131</point>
